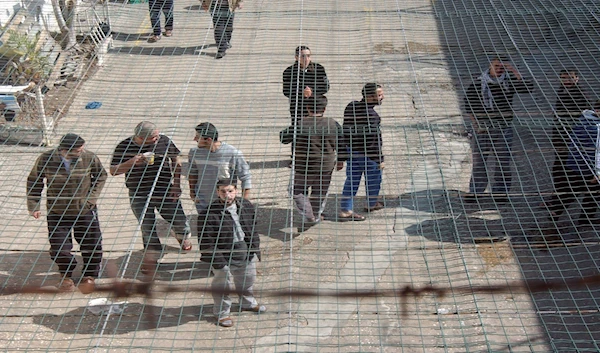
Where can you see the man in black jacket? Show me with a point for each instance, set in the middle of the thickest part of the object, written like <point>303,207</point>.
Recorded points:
<point>230,244</point>
<point>488,102</point>
<point>570,102</point>
<point>303,80</point>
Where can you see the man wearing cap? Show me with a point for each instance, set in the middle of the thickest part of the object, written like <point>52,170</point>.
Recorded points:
<point>211,161</point>
<point>150,162</point>
<point>74,178</point>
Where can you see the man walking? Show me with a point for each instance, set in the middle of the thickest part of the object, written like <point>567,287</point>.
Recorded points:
<point>303,80</point>
<point>570,102</point>
<point>150,162</point>
<point>222,13</point>
<point>363,140</point>
<point>488,102</point>
<point>156,7</point>
<point>582,170</point>
<point>212,161</point>
<point>231,245</point>
<point>74,178</point>
<point>315,157</point>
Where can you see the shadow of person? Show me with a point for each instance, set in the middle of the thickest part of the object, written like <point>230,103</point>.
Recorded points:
<point>134,317</point>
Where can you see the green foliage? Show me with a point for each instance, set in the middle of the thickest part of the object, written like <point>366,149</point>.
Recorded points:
<point>29,64</point>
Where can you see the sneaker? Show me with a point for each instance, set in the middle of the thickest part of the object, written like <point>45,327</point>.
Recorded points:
<point>87,285</point>
<point>154,39</point>
<point>259,309</point>
<point>168,33</point>
<point>225,322</point>
<point>66,286</point>
<point>220,55</point>
<point>229,46</point>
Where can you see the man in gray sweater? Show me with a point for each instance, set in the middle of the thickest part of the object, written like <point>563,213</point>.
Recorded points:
<point>315,158</point>
<point>212,161</point>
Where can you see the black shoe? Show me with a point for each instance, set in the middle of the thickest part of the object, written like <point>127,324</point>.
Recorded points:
<point>220,55</point>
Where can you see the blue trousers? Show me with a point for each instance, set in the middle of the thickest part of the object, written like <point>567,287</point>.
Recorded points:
<point>356,167</point>
<point>494,144</point>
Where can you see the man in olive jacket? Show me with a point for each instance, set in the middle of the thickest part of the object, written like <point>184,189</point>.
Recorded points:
<point>230,244</point>
<point>74,178</point>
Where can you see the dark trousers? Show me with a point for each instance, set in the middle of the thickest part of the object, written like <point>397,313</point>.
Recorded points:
<point>310,193</point>
<point>86,231</point>
<point>223,27</point>
<point>560,143</point>
<point>170,210</point>
<point>576,184</point>
<point>156,7</point>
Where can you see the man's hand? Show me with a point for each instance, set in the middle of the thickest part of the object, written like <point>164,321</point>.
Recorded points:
<point>593,181</point>
<point>307,92</point>
<point>36,214</point>
<point>175,192</point>
<point>240,5</point>
<point>381,166</point>
<point>339,166</point>
<point>509,67</point>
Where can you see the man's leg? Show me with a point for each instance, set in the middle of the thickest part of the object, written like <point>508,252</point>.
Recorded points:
<point>244,278</point>
<point>502,148</point>
<point>155,7</point>
<point>373,177</point>
<point>147,220</point>
<point>172,212</point>
<point>59,236</point>
<point>168,12</point>
<point>220,24</point>
<point>354,171</point>
<point>480,147</point>
<point>221,282</point>
<point>300,195</point>
<point>89,236</point>
<point>561,155</point>
<point>229,27</point>
<point>566,193</point>
<point>319,191</point>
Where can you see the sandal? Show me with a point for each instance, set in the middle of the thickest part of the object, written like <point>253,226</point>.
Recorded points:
<point>378,206</point>
<point>351,217</point>
<point>186,245</point>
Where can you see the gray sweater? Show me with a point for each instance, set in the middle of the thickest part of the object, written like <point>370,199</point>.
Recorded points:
<point>225,163</point>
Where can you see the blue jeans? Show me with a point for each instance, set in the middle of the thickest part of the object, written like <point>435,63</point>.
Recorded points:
<point>495,143</point>
<point>156,7</point>
<point>357,166</point>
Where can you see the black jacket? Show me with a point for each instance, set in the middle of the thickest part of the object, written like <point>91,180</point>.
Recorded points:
<point>502,112</point>
<point>216,237</point>
<point>362,131</point>
<point>570,102</point>
<point>295,82</point>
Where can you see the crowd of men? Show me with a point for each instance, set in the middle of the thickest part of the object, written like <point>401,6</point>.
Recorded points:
<point>150,162</point>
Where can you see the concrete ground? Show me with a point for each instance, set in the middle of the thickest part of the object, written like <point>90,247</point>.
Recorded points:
<point>426,235</point>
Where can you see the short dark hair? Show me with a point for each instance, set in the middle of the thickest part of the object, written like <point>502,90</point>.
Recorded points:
<point>207,129</point>
<point>316,104</point>
<point>301,48</point>
<point>569,71</point>
<point>226,182</point>
<point>70,142</point>
<point>597,105</point>
<point>499,57</point>
<point>370,89</point>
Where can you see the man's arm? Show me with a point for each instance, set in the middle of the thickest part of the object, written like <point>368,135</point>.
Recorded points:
<point>35,186</point>
<point>287,82</point>
<point>208,235</point>
<point>126,166</point>
<point>192,175</point>
<point>243,172</point>
<point>321,81</point>
<point>99,176</point>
